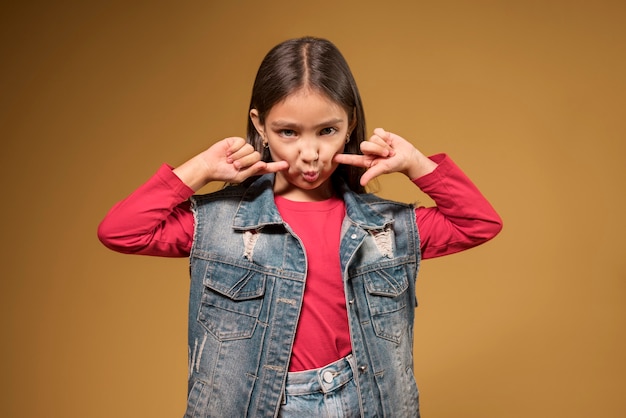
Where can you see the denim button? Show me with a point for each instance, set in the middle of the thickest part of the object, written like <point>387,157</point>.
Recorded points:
<point>353,236</point>
<point>328,376</point>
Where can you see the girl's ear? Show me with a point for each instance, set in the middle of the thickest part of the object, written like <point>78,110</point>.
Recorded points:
<point>256,121</point>
<point>353,122</point>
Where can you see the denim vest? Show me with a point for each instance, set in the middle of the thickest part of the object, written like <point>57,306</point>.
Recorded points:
<point>248,272</point>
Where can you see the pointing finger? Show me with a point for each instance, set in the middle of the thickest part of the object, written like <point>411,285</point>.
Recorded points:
<point>276,166</point>
<point>352,159</point>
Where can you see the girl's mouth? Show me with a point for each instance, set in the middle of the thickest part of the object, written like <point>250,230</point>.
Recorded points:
<point>310,176</point>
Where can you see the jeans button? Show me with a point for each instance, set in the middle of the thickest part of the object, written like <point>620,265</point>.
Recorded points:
<point>328,376</point>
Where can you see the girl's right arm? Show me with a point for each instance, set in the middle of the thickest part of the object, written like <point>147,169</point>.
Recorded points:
<point>156,218</point>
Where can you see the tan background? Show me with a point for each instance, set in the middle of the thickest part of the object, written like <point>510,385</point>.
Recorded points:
<point>528,97</point>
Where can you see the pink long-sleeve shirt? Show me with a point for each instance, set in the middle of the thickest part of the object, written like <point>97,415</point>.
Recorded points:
<point>156,218</point>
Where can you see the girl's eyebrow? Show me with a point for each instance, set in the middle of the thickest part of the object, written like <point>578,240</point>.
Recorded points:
<point>294,125</point>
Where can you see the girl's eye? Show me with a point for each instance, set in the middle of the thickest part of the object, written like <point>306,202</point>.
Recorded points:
<point>287,133</point>
<point>328,131</point>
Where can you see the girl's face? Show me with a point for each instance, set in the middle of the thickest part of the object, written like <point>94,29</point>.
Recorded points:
<point>306,129</point>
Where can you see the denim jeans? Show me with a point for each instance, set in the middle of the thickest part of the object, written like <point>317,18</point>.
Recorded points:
<point>327,392</point>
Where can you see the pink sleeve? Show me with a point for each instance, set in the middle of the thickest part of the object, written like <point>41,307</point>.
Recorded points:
<point>155,219</point>
<point>462,217</point>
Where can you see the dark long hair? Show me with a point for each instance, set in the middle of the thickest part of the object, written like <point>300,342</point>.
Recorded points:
<point>317,64</point>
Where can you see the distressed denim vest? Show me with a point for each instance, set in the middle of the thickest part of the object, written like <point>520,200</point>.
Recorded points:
<point>248,272</point>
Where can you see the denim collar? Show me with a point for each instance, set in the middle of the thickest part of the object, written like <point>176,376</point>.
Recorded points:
<point>257,207</point>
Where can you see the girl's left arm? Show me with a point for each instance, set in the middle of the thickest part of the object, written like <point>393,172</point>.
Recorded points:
<point>462,217</point>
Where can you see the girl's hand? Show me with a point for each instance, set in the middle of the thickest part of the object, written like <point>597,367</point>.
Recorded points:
<point>386,152</point>
<point>230,160</point>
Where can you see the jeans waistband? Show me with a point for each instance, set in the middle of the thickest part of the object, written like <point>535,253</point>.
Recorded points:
<point>325,379</point>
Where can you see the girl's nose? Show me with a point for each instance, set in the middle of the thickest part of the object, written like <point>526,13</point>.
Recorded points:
<point>309,150</point>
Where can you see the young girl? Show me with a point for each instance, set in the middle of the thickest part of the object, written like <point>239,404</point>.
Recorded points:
<point>302,285</point>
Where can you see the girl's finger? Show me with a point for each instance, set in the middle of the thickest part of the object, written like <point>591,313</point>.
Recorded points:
<point>233,144</point>
<point>245,160</point>
<point>375,139</point>
<point>371,173</point>
<point>382,134</point>
<point>387,137</point>
<point>275,166</point>
<point>261,167</point>
<point>243,151</point>
<point>353,159</point>
<point>384,139</point>
<point>376,148</point>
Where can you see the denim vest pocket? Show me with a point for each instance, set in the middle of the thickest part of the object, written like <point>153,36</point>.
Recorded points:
<point>387,301</point>
<point>231,300</point>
